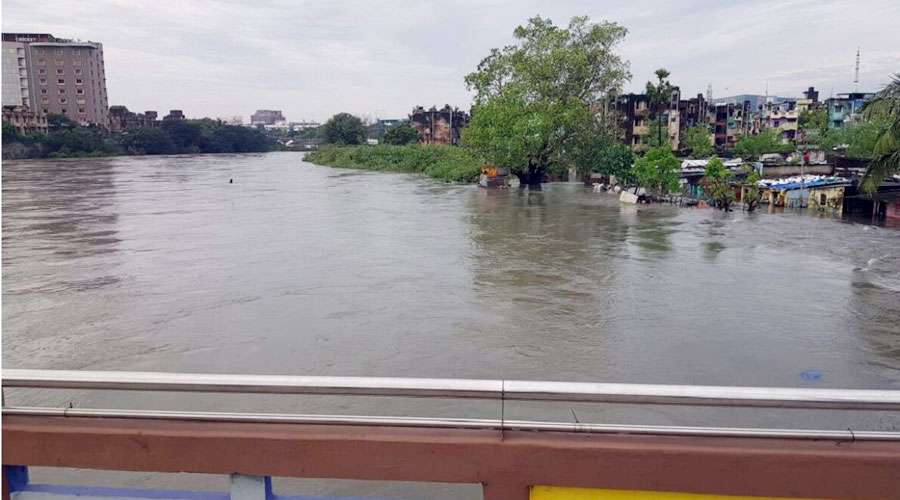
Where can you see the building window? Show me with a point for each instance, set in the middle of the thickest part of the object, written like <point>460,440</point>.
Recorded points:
<point>60,81</point>
<point>78,71</point>
<point>42,62</point>
<point>45,110</point>
<point>43,91</point>
<point>42,71</point>
<point>63,100</point>
<point>60,71</point>
<point>45,100</point>
<point>80,101</point>
<point>78,81</point>
<point>76,62</point>
<point>59,62</point>
<point>79,91</point>
<point>61,91</point>
<point>81,110</point>
<point>43,81</point>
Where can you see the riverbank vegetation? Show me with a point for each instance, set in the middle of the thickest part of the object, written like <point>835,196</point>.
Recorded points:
<point>66,140</point>
<point>447,163</point>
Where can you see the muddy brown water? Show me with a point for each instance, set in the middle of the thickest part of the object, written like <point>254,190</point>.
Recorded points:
<point>161,264</point>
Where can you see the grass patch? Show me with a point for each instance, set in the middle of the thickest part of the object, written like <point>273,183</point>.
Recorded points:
<point>447,163</point>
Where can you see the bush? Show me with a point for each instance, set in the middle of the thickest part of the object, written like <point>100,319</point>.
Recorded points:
<point>448,163</point>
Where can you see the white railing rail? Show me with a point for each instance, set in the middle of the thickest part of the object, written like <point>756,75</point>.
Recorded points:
<point>482,389</point>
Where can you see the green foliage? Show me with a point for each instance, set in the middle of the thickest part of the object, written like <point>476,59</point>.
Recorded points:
<point>401,135</point>
<point>813,125</point>
<point>884,109</point>
<point>448,163</point>
<point>344,129</point>
<point>658,135</point>
<point>604,156</point>
<point>659,93</point>
<point>718,179</point>
<point>752,146</point>
<point>9,133</point>
<point>533,98</point>
<point>752,192</point>
<point>148,141</point>
<point>182,136</point>
<point>659,171</point>
<point>698,140</point>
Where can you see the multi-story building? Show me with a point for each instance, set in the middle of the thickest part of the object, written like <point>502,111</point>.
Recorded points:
<point>725,126</point>
<point>17,82</point>
<point>633,114</point>
<point>439,126</point>
<point>266,117</point>
<point>782,118</point>
<point>846,108</point>
<point>65,77</point>
<point>636,116</point>
<point>25,120</point>
<point>121,119</point>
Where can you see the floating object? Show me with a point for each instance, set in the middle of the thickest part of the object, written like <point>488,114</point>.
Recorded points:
<point>811,375</point>
<point>627,197</point>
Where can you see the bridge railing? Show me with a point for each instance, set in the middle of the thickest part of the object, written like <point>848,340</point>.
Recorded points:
<point>838,463</point>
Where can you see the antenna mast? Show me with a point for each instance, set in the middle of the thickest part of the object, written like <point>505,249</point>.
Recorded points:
<point>856,73</point>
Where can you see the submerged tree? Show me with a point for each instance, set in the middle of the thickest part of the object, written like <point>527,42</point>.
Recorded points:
<point>885,108</point>
<point>718,184</point>
<point>752,194</point>
<point>658,171</point>
<point>533,98</point>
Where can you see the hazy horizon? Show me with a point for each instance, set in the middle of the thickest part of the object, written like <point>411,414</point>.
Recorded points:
<point>314,59</point>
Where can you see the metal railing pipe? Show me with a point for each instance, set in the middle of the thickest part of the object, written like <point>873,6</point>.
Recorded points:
<point>512,390</point>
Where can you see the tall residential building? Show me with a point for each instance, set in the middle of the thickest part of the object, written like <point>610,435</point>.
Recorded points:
<point>846,108</point>
<point>63,76</point>
<point>16,83</point>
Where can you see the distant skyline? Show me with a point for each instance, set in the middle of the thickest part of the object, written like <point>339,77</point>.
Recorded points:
<point>379,59</point>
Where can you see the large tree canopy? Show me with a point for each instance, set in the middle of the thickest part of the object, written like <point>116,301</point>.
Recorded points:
<point>533,98</point>
<point>344,128</point>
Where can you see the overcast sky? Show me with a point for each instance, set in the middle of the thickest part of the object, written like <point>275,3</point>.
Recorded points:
<point>312,59</point>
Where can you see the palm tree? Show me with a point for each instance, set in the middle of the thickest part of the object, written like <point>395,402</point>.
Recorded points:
<point>886,154</point>
<point>660,94</point>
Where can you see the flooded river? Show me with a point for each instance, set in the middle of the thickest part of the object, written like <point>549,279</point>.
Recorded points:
<point>159,263</point>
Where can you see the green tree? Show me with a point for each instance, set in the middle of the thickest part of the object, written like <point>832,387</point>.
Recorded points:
<point>603,155</point>
<point>660,94</point>
<point>533,98</point>
<point>400,135</point>
<point>148,141</point>
<point>9,133</point>
<point>753,146</point>
<point>884,109</point>
<point>752,193</point>
<point>698,140</point>
<point>813,125</point>
<point>344,129</point>
<point>185,134</point>
<point>658,171</point>
<point>717,179</point>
